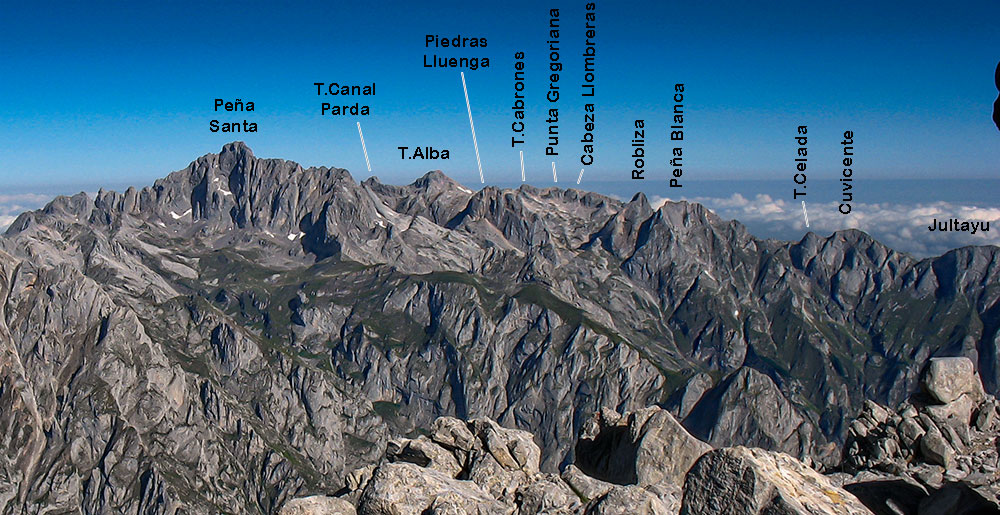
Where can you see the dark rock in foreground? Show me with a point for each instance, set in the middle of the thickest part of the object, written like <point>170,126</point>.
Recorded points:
<point>936,453</point>
<point>740,480</point>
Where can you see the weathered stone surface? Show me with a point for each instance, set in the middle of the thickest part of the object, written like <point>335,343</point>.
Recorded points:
<point>960,409</point>
<point>586,487</point>
<point>408,489</point>
<point>691,393</point>
<point>547,493</point>
<point>629,500</point>
<point>513,449</point>
<point>645,447</point>
<point>358,478</point>
<point>504,459</point>
<point>317,505</point>
<point>986,415</point>
<point>424,452</point>
<point>948,378</point>
<point>750,481</point>
<point>452,433</point>
<point>935,449</point>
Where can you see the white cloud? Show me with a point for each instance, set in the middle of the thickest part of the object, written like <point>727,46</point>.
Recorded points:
<point>903,227</point>
<point>13,205</point>
<point>900,226</point>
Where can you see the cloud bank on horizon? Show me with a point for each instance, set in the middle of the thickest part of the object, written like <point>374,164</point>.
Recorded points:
<point>900,226</point>
<point>13,205</point>
<point>903,227</point>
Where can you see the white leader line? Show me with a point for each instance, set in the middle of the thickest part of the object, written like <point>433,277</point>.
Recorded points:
<point>554,178</point>
<point>522,166</point>
<point>805,213</point>
<point>580,177</point>
<point>363,147</point>
<point>473,127</point>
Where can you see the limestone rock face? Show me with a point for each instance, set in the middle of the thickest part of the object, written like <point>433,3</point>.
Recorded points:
<point>407,489</point>
<point>317,505</point>
<point>750,404</point>
<point>936,449</point>
<point>741,480</point>
<point>585,486</point>
<point>475,466</point>
<point>948,378</point>
<point>629,500</point>
<point>425,453</point>
<point>645,447</point>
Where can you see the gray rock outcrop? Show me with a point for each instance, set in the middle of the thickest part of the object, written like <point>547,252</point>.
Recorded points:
<point>478,466</point>
<point>493,468</point>
<point>317,505</point>
<point>938,452</point>
<point>408,489</point>
<point>947,379</point>
<point>645,447</point>
<point>742,480</point>
<point>748,407</point>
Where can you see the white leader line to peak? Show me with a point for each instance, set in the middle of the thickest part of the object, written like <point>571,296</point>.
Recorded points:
<point>473,127</point>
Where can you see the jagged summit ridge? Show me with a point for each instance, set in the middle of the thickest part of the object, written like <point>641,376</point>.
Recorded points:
<point>324,211</point>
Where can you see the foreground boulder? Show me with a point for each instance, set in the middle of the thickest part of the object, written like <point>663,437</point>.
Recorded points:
<point>480,467</point>
<point>475,466</point>
<point>318,505</point>
<point>408,489</point>
<point>630,500</point>
<point>647,447</point>
<point>934,453</point>
<point>946,379</point>
<point>637,463</point>
<point>742,480</point>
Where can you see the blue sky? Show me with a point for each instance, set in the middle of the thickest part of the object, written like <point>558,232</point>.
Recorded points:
<point>105,94</point>
<point>101,93</point>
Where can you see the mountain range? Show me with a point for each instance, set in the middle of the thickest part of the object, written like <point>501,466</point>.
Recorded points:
<point>246,330</point>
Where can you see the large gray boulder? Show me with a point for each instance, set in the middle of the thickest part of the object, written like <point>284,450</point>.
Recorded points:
<point>646,447</point>
<point>948,378</point>
<point>408,489</point>
<point>742,480</point>
<point>424,452</point>
<point>630,500</point>
<point>317,505</point>
<point>503,459</point>
<point>935,449</point>
<point>499,468</point>
<point>586,487</point>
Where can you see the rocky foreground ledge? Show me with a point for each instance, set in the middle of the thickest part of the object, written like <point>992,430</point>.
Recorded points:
<point>935,454</point>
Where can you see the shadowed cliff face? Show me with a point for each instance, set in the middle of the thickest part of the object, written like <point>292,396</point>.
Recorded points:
<point>996,103</point>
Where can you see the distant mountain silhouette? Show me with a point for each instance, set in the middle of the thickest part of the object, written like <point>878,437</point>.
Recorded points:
<point>996,103</point>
